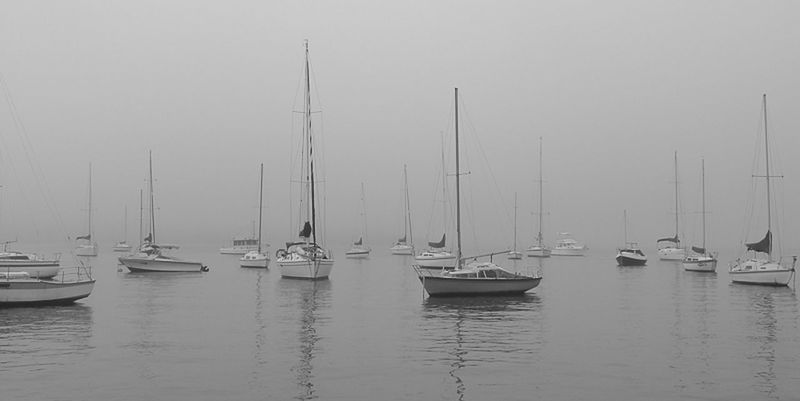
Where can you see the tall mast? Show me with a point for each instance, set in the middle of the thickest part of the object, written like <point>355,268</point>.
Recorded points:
<point>125,225</point>
<point>540,237</point>
<point>703,184</point>
<point>141,212</point>
<point>444,189</point>
<point>152,206</point>
<point>363,212</point>
<point>90,201</point>
<point>769,204</point>
<point>310,149</point>
<point>625,225</point>
<point>676,197</point>
<point>458,193</point>
<point>515,221</point>
<point>407,230</point>
<point>260,202</point>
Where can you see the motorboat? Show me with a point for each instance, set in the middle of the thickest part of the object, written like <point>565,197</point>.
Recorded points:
<point>22,289</point>
<point>240,246</point>
<point>34,265</point>
<point>567,246</point>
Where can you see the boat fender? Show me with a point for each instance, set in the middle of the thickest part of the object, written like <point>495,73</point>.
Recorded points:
<point>204,268</point>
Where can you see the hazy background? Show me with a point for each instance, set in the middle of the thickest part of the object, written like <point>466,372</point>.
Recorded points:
<point>614,88</point>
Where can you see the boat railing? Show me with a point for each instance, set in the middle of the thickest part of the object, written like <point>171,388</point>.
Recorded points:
<point>73,274</point>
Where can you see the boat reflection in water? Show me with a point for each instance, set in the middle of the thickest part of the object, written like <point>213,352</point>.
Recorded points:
<point>476,333</point>
<point>309,297</point>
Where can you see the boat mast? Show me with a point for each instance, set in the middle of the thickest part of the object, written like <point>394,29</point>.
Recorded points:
<point>407,223</point>
<point>458,192</point>
<point>307,115</point>
<point>260,202</point>
<point>540,237</point>
<point>90,202</point>
<point>515,221</point>
<point>152,206</point>
<point>703,191</point>
<point>444,189</point>
<point>363,214</point>
<point>141,212</point>
<point>769,205</point>
<point>678,242</point>
<point>625,225</point>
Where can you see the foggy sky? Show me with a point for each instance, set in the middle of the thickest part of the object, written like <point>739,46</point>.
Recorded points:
<point>613,88</point>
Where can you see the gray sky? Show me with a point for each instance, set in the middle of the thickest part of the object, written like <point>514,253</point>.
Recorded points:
<point>614,88</point>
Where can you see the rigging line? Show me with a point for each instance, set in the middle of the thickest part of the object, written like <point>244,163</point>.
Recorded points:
<point>29,152</point>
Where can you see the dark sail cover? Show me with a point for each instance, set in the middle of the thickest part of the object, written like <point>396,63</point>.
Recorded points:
<point>765,245</point>
<point>670,239</point>
<point>87,237</point>
<point>148,238</point>
<point>439,244</point>
<point>306,231</point>
<point>402,240</point>
<point>699,250</point>
<point>357,242</point>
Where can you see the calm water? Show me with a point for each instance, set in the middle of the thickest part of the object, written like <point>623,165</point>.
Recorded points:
<point>590,331</point>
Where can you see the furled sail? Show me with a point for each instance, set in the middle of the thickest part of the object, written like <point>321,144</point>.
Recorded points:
<point>670,239</point>
<point>306,231</point>
<point>699,250</point>
<point>87,237</point>
<point>765,245</point>
<point>439,244</point>
<point>359,242</point>
<point>402,240</point>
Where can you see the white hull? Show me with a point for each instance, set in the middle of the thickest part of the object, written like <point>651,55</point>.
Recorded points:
<point>46,271</point>
<point>357,253</point>
<point>402,250</point>
<point>514,255</point>
<point>705,264</point>
<point>671,253</point>
<point>151,263</point>
<point>436,260</point>
<point>577,251</point>
<point>538,252</point>
<point>475,280</point>
<point>238,250</point>
<point>254,259</point>
<point>30,291</point>
<point>308,269</point>
<point>122,247</point>
<point>760,272</point>
<point>86,250</point>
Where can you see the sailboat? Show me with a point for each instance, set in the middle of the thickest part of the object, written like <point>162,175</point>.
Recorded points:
<point>630,254</point>
<point>476,278</point>
<point>437,256</point>
<point>405,244</point>
<point>761,267</point>
<point>539,250</point>
<point>670,248</point>
<point>359,250</point>
<point>150,257</point>
<point>306,258</point>
<point>700,259</point>
<point>513,253</point>
<point>124,246</point>
<point>87,246</point>
<point>257,258</point>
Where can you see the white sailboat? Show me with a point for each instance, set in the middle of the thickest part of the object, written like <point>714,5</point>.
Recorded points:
<point>437,256</point>
<point>760,267</point>
<point>22,289</point>
<point>476,278</point>
<point>86,245</point>
<point>405,244</point>
<point>539,249</point>
<point>359,248</point>
<point>700,259</point>
<point>670,248</point>
<point>257,258</point>
<point>123,246</point>
<point>513,253</point>
<point>306,258</point>
<point>151,256</point>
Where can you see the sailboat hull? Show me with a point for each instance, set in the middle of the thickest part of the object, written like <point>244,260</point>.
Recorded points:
<point>37,271</point>
<point>671,253</point>
<point>357,253</point>
<point>306,269</point>
<point>402,250</point>
<point>759,272</point>
<point>703,264</point>
<point>453,287</point>
<point>515,255</point>
<point>86,250</point>
<point>149,263</point>
<point>436,260</point>
<point>29,292</point>
<point>538,252</point>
